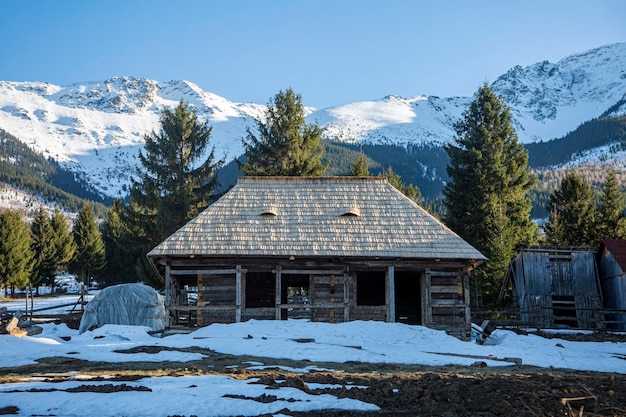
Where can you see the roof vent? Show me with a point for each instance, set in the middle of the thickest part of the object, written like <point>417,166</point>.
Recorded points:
<point>352,212</point>
<point>269,212</point>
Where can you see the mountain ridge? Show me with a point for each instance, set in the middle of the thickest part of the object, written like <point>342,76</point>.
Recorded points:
<point>96,128</point>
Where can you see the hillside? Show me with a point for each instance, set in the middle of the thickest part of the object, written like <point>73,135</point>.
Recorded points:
<point>27,178</point>
<point>96,129</point>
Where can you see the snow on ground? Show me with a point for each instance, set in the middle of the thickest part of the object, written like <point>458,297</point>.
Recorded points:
<point>369,342</point>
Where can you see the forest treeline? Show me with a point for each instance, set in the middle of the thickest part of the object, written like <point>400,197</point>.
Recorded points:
<point>29,171</point>
<point>486,187</point>
<point>423,165</point>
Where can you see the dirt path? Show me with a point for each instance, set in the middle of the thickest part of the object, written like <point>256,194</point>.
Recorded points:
<point>399,390</point>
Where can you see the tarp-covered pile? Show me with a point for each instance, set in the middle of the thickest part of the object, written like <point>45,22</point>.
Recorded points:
<point>126,304</point>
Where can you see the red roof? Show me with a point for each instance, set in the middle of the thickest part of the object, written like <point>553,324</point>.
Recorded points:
<point>618,248</point>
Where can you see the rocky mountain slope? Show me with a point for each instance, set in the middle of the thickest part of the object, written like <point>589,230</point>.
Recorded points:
<point>96,129</point>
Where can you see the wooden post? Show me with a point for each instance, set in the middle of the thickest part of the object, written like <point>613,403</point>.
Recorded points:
<point>466,300</point>
<point>168,295</point>
<point>26,308</point>
<point>278,292</point>
<point>82,297</point>
<point>168,288</point>
<point>391,295</point>
<point>346,296</point>
<point>427,310</point>
<point>312,295</point>
<point>238,294</point>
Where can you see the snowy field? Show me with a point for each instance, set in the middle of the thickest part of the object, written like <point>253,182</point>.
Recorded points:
<point>368,342</point>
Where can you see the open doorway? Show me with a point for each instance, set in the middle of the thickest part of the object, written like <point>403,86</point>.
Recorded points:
<point>295,291</point>
<point>408,297</point>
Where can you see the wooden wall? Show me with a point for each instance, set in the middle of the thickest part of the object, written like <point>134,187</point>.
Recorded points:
<point>327,292</point>
<point>442,297</point>
<point>557,287</point>
<point>446,301</point>
<point>216,299</point>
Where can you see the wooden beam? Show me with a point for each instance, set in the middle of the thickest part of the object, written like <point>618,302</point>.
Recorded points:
<point>312,306</point>
<point>466,299</point>
<point>238,294</point>
<point>205,271</point>
<point>391,294</point>
<point>313,271</point>
<point>427,319</point>
<point>278,292</point>
<point>168,294</point>
<point>446,273</point>
<point>203,308</point>
<point>346,296</point>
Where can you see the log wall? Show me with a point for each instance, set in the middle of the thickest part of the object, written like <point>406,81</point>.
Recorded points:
<point>332,294</point>
<point>217,296</point>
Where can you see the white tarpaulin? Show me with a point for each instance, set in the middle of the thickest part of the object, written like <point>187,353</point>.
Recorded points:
<point>126,304</point>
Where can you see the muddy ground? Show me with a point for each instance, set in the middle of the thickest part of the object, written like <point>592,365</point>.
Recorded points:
<point>399,390</point>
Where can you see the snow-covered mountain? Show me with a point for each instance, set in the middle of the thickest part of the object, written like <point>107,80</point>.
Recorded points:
<point>96,129</point>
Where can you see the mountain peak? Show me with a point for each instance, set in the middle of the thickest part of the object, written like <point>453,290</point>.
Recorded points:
<point>98,127</point>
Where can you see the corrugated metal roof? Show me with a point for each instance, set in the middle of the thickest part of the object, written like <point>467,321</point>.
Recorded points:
<point>618,248</point>
<point>316,216</point>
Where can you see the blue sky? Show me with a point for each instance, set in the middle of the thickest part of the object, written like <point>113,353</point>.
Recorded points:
<point>330,51</point>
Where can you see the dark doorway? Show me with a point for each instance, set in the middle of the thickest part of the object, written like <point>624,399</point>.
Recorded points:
<point>260,289</point>
<point>408,297</point>
<point>370,288</point>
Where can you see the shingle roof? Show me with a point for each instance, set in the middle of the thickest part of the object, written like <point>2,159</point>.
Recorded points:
<point>321,216</point>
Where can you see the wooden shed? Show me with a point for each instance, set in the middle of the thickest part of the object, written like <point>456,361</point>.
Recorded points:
<point>330,249</point>
<point>612,266</point>
<point>557,286</point>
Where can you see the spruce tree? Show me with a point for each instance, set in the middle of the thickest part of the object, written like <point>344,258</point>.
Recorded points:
<point>63,240</point>
<point>122,258</point>
<point>43,248</point>
<point>486,198</point>
<point>411,191</point>
<point>611,223</point>
<point>360,166</point>
<point>90,256</point>
<point>572,213</point>
<point>176,180</point>
<point>15,254</point>
<point>285,145</point>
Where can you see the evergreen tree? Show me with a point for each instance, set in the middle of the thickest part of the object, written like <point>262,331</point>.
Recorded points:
<point>63,240</point>
<point>122,259</point>
<point>173,187</point>
<point>611,223</point>
<point>43,248</point>
<point>360,167</point>
<point>15,254</point>
<point>175,182</point>
<point>285,145</point>
<point>90,256</point>
<point>411,191</point>
<point>572,211</point>
<point>486,198</point>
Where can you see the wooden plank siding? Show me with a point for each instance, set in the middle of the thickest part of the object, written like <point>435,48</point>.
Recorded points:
<point>327,292</point>
<point>443,296</point>
<point>446,294</point>
<point>557,287</point>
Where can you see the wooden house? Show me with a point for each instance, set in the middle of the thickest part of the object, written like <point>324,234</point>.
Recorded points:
<point>612,266</point>
<point>556,286</point>
<point>331,249</point>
